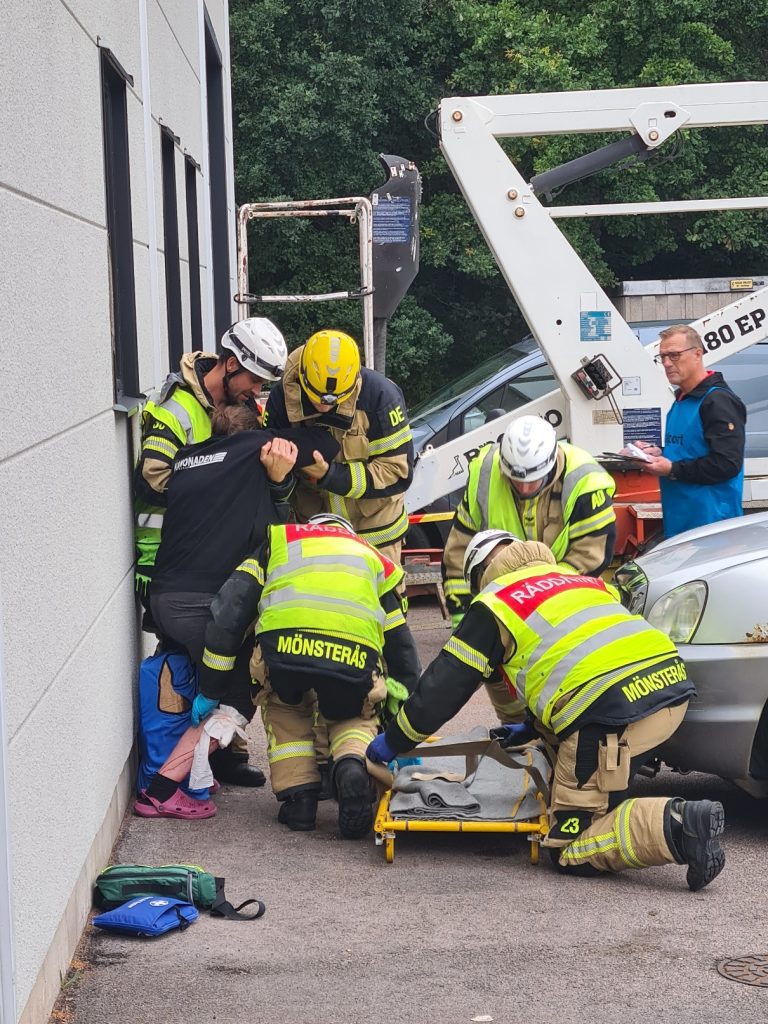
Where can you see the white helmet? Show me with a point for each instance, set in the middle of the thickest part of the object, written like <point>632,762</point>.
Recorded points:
<point>528,449</point>
<point>258,346</point>
<point>478,549</point>
<point>330,519</point>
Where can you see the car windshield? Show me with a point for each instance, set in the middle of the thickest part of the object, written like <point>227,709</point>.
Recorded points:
<point>469,381</point>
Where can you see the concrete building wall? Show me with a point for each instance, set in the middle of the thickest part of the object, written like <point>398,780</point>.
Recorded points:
<point>70,637</point>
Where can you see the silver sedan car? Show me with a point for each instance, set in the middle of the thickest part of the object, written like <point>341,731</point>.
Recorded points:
<point>708,590</point>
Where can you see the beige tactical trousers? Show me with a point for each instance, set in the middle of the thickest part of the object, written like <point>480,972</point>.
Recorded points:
<point>291,737</point>
<point>631,835</point>
<point>320,726</point>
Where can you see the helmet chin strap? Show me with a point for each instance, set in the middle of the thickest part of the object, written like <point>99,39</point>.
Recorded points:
<point>228,400</point>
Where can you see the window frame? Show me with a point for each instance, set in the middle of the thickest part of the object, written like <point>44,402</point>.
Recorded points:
<point>115,81</point>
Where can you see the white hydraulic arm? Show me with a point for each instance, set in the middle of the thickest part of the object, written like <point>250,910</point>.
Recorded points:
<point>569,314</point>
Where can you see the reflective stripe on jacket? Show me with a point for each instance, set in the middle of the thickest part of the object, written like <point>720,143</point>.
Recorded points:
<point>571,637</point>
<point>367,481</point>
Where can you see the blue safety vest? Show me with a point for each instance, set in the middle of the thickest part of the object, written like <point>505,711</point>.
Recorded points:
<point>688,505</point>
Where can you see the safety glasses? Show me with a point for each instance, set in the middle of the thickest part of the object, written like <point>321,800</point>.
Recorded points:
<point>673,357</point>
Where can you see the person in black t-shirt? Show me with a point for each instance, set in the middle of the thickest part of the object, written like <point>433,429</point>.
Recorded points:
<point>222,495</point>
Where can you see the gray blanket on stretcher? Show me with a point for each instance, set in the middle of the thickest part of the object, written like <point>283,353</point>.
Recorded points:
<point>493,792</point>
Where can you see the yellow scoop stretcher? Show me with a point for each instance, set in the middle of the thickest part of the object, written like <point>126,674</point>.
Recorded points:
<point>386,827</point>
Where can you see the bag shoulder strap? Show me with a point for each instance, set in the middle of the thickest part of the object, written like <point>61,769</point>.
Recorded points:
<point>221,906</point>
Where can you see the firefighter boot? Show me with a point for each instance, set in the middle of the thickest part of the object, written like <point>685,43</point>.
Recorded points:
<point>353,792</point>
<point>326,788</point>
<point>298,808</point>
<point>693,827</point>
<point>232,767</point>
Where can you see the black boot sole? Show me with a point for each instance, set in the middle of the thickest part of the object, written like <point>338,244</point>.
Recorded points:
<point>706,824</point>
<point>355,808</point>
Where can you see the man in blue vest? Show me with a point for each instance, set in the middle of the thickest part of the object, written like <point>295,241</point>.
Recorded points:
<point>701,466</point>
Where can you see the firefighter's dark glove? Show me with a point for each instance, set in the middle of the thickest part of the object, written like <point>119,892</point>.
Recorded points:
<point>379,751</point>
<point>514,734</point>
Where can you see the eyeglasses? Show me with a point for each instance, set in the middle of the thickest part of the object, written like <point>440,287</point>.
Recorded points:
<point>673,357</point>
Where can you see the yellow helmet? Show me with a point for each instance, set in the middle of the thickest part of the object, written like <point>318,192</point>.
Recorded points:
<point>329,367</point>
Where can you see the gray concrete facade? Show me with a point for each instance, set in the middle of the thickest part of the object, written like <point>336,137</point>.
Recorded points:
<point>69,629</point>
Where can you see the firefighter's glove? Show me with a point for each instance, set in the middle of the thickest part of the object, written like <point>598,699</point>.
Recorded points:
<point>379,751</point>
<point>397,695</point>
<point>202,707</point>
<point>514,734</point>
<point>456,618</point>
<point>141,586</point>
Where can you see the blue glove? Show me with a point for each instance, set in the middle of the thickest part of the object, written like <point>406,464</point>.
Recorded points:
<point>514,734</point>
<point>406,762</point>
<point>202,707</point>
<point>380,751</point>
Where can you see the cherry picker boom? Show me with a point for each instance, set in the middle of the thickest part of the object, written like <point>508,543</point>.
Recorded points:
<point>611,392</point>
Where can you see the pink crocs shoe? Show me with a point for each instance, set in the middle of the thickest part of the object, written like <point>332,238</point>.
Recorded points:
<point>178,806</point>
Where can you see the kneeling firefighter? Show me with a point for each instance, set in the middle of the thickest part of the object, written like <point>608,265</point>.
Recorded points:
<point>602,685</point>
<point>328,610</point>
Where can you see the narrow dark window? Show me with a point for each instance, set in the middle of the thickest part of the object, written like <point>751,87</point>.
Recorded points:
<point>117,179</point>
<point>217,165</point>
<point>171,245</point>
<point>193,249</point>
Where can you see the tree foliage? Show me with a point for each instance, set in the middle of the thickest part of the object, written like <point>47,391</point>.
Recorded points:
<point>320,88</point>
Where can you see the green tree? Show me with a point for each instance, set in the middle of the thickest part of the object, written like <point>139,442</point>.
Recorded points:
<point>551,45</point>
<point>319,90</point>
<point>321,87</point>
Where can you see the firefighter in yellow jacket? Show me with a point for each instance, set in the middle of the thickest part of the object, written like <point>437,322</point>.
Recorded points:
<point>537,488</point>
<point>330,622</point>
<point>603,685</point>
<point>325,386</point>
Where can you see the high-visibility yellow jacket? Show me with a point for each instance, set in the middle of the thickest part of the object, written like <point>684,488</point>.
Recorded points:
<point>563,643</point>
<point>573,515</point>
<point>323,580</point>
<point>321,601</point>
<point>573,640</point>
<point>180,415</point>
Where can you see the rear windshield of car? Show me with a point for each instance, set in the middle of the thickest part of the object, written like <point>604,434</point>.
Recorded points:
<point>468,382</point>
